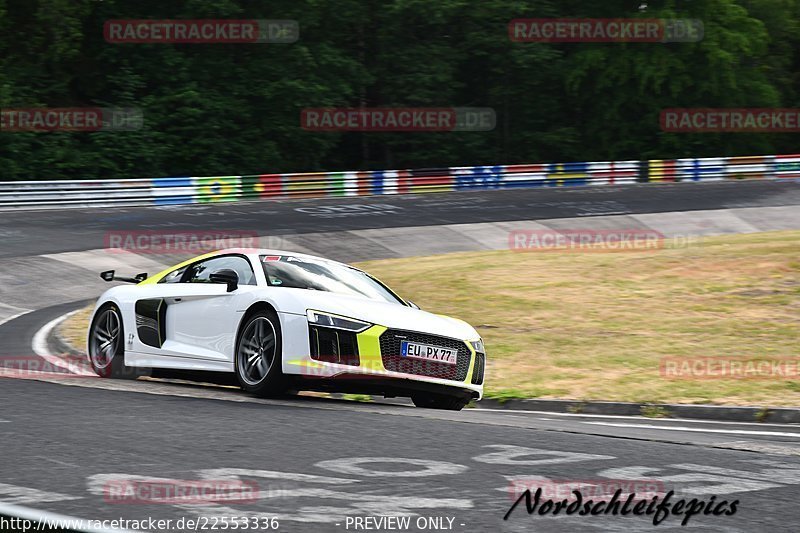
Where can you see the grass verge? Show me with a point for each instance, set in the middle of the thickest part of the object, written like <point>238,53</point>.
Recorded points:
<point>595,326</point>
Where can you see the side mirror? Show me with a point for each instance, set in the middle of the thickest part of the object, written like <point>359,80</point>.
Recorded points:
<point>227,276</point>
<point>412,304</point>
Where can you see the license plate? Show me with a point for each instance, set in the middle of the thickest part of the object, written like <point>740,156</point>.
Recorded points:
<point>428,352</point>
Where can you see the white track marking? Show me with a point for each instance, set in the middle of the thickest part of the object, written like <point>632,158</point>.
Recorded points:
<point>352,466</point>
<point>40,348</point>
<point>699,430</point>
<point>623,417</point>
<point>330,504</point>
<point>12,494</point>
<point>510,455</point>
<point>45,517</point>
<point>13,317</point>
<point>695,483</point>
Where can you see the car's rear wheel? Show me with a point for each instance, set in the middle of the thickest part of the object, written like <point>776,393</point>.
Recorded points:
<point>106,349</point>
<point>258,355</point>
<point>439,401</point>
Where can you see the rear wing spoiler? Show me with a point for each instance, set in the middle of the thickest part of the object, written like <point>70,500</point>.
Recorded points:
<point>109,276</point>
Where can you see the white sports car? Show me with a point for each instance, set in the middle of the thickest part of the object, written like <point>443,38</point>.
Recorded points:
<point>285,321</point>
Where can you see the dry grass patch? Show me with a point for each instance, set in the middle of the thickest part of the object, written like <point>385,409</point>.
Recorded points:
<point>596,325</point>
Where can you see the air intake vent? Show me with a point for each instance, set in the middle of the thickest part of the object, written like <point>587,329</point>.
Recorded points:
<point>333,346</point>
<point>477,372</point>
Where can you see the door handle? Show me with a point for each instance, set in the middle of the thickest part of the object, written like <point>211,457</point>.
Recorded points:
<point>178,299</point>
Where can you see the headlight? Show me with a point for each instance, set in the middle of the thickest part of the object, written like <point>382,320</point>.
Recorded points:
<point>332,321</point>
<point>478,346</point>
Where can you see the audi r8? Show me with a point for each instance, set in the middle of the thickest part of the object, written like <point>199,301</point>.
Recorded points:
<point>282,322</point>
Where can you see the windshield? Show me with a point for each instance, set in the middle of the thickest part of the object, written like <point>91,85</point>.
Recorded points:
<point>302,273</point>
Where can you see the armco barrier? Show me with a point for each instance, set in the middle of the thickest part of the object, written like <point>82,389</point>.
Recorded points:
<point>191,190</point>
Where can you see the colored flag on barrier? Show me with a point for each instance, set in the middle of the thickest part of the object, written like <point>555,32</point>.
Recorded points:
<point>308,185</point>
<point>787,166</point>
<point>662,170</point>
<point>431,180</point>
<point>218,189</point>
<point>390,184</point>
<point>364,181</point>
<point>173,191</point>
<point>748,167</point>
<point>707,169</point>
<point>513,176</point>
<point>613,172</point>
<point>335,184</point>
<point>480,177</point>
<point>567,174</point>
<point>263,186</point>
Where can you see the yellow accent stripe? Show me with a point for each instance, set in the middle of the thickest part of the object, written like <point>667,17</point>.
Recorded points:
<point>369,348</point>
<point>473,359</point>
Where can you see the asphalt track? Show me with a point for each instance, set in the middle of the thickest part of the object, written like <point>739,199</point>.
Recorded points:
<point>41,232</point>
<point>316,462</point>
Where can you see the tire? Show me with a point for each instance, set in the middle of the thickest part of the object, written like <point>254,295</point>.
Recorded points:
<point>106,345</point>
<point>258,360</point>
<point>439,401</point>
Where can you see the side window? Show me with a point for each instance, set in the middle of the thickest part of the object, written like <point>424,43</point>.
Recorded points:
<point>200,272</point>
<point>174,276</point>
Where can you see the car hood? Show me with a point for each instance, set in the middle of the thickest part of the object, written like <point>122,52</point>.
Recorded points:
<point>381,313</point>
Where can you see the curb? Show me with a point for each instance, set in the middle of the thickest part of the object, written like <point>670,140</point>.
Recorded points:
<point>58,345</point>
<point>727,413</point>
<point>780,415</point>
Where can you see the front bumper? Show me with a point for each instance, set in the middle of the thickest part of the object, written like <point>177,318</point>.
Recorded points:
<point>372,372</point>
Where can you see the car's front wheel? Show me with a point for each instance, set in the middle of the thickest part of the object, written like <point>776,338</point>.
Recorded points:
<point>106,350</point>
<point>258,355</point>
<point>439,401</point>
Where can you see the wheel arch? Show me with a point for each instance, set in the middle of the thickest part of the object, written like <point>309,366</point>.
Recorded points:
<point>256,307</point>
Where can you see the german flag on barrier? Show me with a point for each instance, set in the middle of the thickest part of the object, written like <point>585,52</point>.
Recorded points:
<point>218,189</point>
<point>787,166</point>
<point>754,167</point>
<point>567,174</point>
<point>662,170</point>
<point>263,186</point>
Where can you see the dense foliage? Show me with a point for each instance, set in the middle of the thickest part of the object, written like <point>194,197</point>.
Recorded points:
<point>214,109</point>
